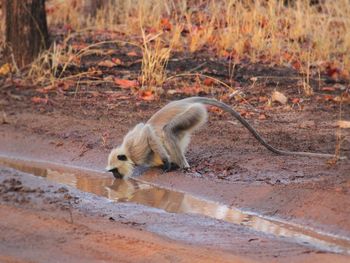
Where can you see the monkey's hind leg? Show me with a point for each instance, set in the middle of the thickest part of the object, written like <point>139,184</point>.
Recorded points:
<point>178,130</point>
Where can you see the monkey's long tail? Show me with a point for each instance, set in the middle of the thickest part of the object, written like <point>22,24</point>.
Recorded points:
<point>246,124</point>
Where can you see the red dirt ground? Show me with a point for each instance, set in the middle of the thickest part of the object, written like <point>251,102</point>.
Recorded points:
<point>227,165</point>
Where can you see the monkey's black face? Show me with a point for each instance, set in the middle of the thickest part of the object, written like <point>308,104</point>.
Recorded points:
<point>116,173</point>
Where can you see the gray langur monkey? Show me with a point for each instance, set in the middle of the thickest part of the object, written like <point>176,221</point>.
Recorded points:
<point>163,139</point>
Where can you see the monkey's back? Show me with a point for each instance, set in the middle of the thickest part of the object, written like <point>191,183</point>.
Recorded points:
<point>167,113</point>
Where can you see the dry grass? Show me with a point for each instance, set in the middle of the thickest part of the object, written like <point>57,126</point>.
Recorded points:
<point>154,60</point>
<point>51,64</point>
<point>2,25</point>
<point>248,28</point>
<point>303,36</point>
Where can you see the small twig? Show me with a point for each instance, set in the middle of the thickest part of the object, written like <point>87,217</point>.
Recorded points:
<point>14,62</point>
<point>70,214</point>
<point>232,90</point>
<point>339,133</point>
<point>81,74</point>
<point>198,67</point>
<point>203,75</point>
<point>76,88</point>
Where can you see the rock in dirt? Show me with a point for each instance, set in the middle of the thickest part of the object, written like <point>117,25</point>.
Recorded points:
<point>279,97</point>
<point>344,124</point>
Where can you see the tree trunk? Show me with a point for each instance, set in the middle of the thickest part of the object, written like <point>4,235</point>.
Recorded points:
<point>26,29</point>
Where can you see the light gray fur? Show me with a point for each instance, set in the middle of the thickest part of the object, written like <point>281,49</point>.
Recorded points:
<point>164,138</point>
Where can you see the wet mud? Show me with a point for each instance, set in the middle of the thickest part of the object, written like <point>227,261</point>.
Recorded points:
<point>43,220</point>
<point>136,191</point>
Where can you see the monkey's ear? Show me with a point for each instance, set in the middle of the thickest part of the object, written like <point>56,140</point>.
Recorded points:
<point>122,157</point>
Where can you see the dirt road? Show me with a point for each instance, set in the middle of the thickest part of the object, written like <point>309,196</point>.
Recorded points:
<point>228,166</point>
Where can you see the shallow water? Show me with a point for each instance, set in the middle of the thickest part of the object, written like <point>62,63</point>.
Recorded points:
<point>136,191</point>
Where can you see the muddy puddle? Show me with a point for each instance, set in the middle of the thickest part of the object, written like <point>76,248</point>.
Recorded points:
<point>136,191</point>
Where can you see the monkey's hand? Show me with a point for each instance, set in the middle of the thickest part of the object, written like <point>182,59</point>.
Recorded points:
<point>168,166</point>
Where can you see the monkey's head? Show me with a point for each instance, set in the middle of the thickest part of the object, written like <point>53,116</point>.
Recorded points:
<point>119,163</point>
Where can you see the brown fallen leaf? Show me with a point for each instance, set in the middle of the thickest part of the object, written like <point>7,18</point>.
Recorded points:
<point>146,95</point>
<point>188,90</point>
<point>38,100</point>
<point>296,64</point>
<point>106,63</point>
<point>5,69</point>
<point>333,70</point>
<point>287,56</point>
<point>327,98</point>
<point>296,100</point>
<point>132,54</point>
<point>125,83</point>
<point>46,89</point>
<point>116,61</point>
<point>262,116</point>
<point>263,99</point>
<point>246,113</point>
<point>328,89</point>
<point>165,24</point>
<point>208,82</point>
<point>58,144</point>
<point>279,97</point>
<point>215,110</point>
<point>191,90</point>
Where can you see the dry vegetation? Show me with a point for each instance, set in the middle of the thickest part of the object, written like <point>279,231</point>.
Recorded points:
<point>307,37</point>
<point>313,39</point>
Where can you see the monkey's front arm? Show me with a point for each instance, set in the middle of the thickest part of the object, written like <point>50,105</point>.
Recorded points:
<point>157,147</point>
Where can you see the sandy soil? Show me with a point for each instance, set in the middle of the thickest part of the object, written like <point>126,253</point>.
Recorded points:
<point>228,166</point>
